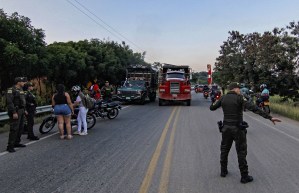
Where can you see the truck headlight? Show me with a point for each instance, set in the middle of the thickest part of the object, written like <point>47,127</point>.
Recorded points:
<point>187,90</point>
<point>162,90</point>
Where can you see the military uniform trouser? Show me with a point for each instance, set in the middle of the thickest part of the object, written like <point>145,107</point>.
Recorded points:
<point>16,129</point>
<point>30,123</point>
<point>230,134</point>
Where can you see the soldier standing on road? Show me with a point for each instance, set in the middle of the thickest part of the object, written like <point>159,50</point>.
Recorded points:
<point>107,91</point>
<point>234,128</point>
<point>30,108</point>
<point>15,100</point>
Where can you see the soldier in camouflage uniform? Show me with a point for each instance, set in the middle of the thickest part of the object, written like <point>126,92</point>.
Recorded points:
<point>16,103</point>
<point>234,128</point>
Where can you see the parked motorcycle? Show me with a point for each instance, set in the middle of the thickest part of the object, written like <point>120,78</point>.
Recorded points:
<point>49,122</point>
<point>104,109</point>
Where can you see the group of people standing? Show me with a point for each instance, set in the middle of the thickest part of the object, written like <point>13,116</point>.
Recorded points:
<point>64,108</point>
<point>21,102</point>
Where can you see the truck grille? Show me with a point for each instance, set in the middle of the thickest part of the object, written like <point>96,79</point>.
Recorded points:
<point>174,87</point>
<point>128,93</point>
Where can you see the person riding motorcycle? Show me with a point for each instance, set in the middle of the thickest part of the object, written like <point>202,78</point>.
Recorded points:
<point>245,92</point>
<point>205,88</point>
<point>214,92</point>
<point>264,94</point>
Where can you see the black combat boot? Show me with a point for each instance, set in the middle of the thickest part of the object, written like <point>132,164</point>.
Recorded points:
<point>246,178</point>
<point>224,172</point>
<point>10,149</point>
<point>20,145</point>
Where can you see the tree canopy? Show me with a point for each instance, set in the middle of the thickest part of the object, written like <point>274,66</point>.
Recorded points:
<point>254,58</point>
<point>23,52</point>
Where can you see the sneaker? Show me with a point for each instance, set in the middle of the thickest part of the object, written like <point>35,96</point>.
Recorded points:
<point>62,136</point>
<point>77,133</point>
<point>69,137</point>
<point>84,133</point>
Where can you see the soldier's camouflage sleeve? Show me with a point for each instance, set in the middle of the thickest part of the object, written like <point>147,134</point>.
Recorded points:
<point>252,107</point>
<point>216,105</point>
<point>9,102</point>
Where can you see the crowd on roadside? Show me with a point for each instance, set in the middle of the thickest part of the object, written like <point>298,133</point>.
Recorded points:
<point>21,103</point>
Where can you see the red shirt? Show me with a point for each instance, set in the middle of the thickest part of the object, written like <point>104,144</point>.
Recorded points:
<point>97,95</point>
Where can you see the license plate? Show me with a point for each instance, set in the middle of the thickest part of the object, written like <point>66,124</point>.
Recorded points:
<point>128,98</point>
<point>267,103</point>
<point>174,95</point>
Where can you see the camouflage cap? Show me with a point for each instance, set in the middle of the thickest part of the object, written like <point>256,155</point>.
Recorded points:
<point>233,85</point>
<point>20,79</point>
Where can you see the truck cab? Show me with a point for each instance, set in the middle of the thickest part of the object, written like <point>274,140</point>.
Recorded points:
<point>175,84</point>
<point>141,84</point>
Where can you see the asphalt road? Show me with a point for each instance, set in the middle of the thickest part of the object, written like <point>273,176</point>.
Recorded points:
<point>152,149</point>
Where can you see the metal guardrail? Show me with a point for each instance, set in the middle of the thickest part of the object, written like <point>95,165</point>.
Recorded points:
<point>41,109</point>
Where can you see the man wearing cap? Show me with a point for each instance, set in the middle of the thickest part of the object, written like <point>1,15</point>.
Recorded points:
<point>234,128</point>
<point>107,91</point>
<point>16,103</point>
<point>30,108</point>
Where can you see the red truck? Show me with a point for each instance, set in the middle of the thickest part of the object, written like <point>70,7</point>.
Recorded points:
<point>174,84</point>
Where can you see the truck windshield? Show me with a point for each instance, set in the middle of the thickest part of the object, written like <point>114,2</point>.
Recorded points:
<point>175,75</point>
<point>134,83</point>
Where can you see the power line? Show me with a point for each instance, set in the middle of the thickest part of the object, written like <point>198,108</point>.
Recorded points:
<point>118,34</point>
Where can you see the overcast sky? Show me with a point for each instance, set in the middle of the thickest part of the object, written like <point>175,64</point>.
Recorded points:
<point>182,32</point>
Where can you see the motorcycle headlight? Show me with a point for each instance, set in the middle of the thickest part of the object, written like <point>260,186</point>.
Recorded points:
<point>187,90</point>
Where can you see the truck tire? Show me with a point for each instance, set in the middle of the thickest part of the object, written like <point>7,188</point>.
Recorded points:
<point>160,102</point>
<point>189,102</point>
<point>152,97</point>
<point>142,101</point>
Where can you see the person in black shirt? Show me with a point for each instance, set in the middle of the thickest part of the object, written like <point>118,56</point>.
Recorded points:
<point>234,128</point>
<point>30,108</point>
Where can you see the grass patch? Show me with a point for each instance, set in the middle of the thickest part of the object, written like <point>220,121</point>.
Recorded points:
<point>286,108</point>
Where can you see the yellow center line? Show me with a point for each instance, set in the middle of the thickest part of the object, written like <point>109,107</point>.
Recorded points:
<point>167,162</point>
<point>153,163</point>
